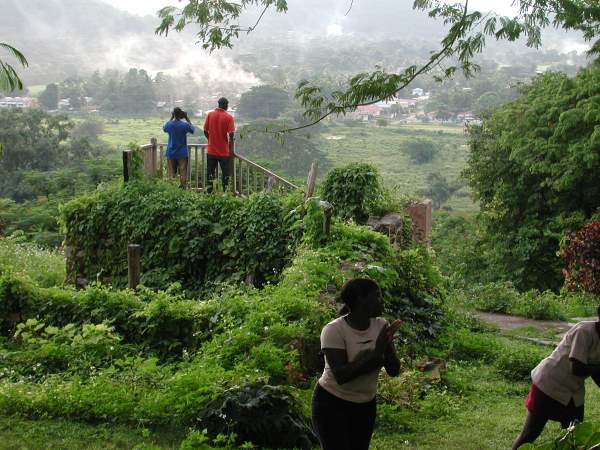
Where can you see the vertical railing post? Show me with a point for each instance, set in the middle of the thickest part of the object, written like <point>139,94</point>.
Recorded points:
<point>248,179</point>
<point>153,153</point>
<point>310,181</point>
<point>196,166</point>
<point>161,161</point>
<point>134,253</point>
<point>234,175</point>
<point>203,169</point>
<point>126,160</point>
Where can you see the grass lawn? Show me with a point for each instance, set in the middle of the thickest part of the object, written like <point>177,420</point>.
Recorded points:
<point>21,434</point>
<point>36,90</point>
<point>479,410</point>
<point>383,147</point>
<point>118,132</point>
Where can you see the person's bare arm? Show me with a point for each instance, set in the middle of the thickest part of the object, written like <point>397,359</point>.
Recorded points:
<point>368,360</point>
<point>391,361</point>
<point>231,137</point>
<point>585,370</point>
<point>345,371</point>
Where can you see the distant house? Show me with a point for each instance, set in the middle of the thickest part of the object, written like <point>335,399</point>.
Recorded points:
<point>468,118</point>
<point>368,112</point>
<point>406,102</point>
<point>64,104</point>
<point>418,92</point>
<point>18,102</point>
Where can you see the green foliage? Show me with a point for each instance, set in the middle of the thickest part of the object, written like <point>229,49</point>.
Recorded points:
<point>89,129</point>
<point>291,154</point>
<point>45,267</point>
<point>439,189</point>
<point>9,79</point>
<point>263,102</point>
<point>461,250</point>
<point>49,97</point>
<point>186,237</point>
<point>264,415</point>
<point>47,349</point>
<point>514,360</point>
<point>517,361</point>
<point>581,253</point>
<point>217,364</point>
<point>532,168</point>
<point>421,151</point>
<point>584,435</point>
<point>502,297</point>
<point>354,191</point>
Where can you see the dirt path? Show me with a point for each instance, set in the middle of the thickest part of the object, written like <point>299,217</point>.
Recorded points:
<point>506,322</point>
<point>547,327</point>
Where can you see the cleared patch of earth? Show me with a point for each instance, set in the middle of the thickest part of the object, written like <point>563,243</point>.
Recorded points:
<point>512,324</point>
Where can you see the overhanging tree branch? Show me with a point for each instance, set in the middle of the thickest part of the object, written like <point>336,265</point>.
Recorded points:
<point>465,38</point>
<point>9,79</point>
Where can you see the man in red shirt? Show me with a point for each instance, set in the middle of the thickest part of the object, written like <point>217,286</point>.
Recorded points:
<point>218,129</point>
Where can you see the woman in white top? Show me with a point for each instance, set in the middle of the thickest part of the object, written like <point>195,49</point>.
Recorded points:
<point>356,346</point>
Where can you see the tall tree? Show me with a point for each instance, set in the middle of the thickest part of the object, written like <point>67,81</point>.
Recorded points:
<point>49,97</point>
<point>533,167</point>
<point>266,102</point>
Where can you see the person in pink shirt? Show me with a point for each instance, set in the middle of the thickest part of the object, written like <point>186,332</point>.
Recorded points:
<point>558,389</point>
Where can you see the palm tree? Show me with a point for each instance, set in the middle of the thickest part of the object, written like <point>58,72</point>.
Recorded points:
<point>9,80</point>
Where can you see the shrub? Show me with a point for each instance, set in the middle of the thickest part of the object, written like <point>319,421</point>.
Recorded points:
<point>186,237</point>
<point>539,306</point>
<point>581,252</point>
<point>498,297</point>
<point>45,267</point>
<point>517,361</point>
<point>583,435</point>
<point>354,191</point>
<point>466,345</point>
<point>421,151</point>
<point>50,349</point>
<point>265,415</point>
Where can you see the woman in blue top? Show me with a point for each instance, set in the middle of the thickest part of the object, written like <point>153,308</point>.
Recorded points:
<point>177,149</point>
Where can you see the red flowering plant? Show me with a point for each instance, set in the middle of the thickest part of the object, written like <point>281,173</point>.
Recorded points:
<point>581,251</point>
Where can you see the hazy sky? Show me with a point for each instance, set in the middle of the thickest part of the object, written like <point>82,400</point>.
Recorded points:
<point>143,7</point>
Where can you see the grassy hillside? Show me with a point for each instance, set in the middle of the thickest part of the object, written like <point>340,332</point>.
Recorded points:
<point>383,147</point>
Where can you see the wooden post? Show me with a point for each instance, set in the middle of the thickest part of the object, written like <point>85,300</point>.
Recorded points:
<point>153,152</point>
<point>134,253</point>
<point>328,212</point>
<point>271,184</point>
<point>248,180</point>
<point>231,164</point>
<point>126,165</point>
<point>310,181</point>
<point>196,165</point>
<point>204,168</point>
<point>160,161</point>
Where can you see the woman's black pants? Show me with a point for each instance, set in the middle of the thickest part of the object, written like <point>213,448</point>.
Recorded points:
<point>340,424</point>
